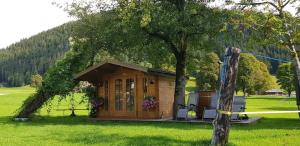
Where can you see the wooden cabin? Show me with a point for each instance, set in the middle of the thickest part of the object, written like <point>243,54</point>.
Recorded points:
<point>126,88</point>
<point>275,92</point>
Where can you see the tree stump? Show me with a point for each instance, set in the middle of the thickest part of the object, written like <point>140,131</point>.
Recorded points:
<point>227,87</point>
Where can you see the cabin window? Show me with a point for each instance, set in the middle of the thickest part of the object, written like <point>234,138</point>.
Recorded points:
<point>106,94</point>
<point>149,87</point>
<point>130,95</point>
<point>118,95</point>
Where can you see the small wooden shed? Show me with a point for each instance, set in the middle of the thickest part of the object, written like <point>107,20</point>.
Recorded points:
<point>275,92</point>
<point>125,89</point>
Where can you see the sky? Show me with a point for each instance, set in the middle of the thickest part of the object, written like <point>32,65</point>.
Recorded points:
<point>23,18</point>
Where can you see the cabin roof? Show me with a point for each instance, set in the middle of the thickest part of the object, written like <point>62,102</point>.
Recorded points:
<point>107,65</point>
<point>274,90</point>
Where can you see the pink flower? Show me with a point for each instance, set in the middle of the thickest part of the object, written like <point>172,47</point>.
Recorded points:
<point>149,103</point>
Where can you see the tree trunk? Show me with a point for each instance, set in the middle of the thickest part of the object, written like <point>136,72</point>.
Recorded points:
<point>228,83</point>
<point>33,103</point>
<point>48,89</point>
<point>180,81</point>
<point>292,48</point>
<point>296,64</point>
<point>297,89</point>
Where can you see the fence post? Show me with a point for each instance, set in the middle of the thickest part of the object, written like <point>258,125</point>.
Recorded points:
<point>228,82</point>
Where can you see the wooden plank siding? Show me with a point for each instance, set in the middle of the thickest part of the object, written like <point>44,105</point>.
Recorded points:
<point>166,91</point>
<point>161,85</point>
<point>152,91</point>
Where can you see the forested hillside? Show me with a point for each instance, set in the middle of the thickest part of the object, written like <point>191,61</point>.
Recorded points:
<point>272,57</point>
<point>33,55</point>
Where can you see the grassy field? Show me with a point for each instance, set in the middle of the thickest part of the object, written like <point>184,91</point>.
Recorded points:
<point>57,129</point>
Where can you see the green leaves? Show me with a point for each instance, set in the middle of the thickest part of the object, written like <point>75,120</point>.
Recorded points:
<point>146,19</point>
<point>253,75</point>
<point>286,77</point>
<point>207,76</point>
<point>36,81</point>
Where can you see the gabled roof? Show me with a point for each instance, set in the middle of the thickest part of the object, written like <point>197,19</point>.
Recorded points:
<point>102,65</point>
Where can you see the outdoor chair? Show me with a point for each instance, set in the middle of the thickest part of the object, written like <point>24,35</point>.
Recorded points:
<point>192,105</point>
<point>210,112</point>
<point>238,105</point>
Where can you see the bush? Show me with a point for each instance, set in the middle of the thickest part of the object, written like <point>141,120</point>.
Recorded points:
<point>208,74</point>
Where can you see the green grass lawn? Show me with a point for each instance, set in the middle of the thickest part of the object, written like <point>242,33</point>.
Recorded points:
<point>56,129</point>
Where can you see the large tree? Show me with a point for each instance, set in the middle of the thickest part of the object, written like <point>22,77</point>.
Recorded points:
<point>208,74</point>
<point>245,81</point>
<point>138,30</point>
<point>253,75</point>
<point>87,41</point>
<point>179,25</point>
<point>286,78</point>
<point>280,26</point>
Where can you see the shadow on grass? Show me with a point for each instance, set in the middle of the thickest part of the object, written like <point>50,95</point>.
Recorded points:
<point>132,140</point>
<point>272,123</point>
<point>84,120</point>
<point>265,123</point>
<point>139,140</point>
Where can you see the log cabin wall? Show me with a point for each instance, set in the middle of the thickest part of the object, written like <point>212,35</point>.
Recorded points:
<point>166,92</point>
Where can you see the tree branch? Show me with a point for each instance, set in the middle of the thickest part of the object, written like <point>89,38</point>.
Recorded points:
<point>260,3</point>
<point>161,35</point>
<point>286,3</point>
<point>180,4</point>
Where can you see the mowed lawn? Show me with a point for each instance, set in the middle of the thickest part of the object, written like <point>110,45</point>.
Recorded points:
<point>58,129</point>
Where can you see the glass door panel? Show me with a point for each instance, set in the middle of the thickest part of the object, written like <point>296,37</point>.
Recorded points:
<point>130,95</point>
<point>118,95</point>
<point>124,95</point>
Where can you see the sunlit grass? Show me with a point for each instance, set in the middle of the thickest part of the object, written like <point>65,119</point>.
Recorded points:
<point>58,129</point>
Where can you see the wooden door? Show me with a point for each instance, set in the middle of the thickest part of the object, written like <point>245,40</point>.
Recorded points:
<point>124,96</point>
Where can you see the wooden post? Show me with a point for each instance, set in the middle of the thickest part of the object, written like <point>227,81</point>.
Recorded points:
<point>228,81</point>
<point>72,101</point>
